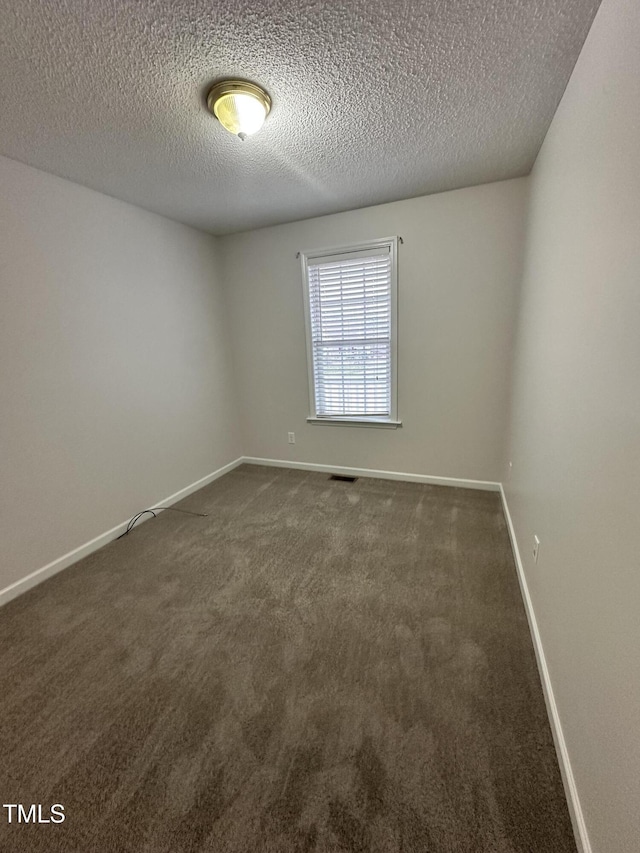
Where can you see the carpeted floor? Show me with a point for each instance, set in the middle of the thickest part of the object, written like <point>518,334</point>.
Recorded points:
<point>316,666</point>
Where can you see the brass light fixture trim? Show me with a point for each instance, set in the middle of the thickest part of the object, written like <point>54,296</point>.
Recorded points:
<point>240,107</point>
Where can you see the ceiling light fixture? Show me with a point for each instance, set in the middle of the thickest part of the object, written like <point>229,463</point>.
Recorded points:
<point>240,107</point>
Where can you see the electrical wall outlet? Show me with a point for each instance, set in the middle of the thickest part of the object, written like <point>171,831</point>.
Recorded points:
<point>292,437</point>
<point>536,548</point>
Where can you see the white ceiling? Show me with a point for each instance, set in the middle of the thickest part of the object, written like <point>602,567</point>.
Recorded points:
<point>372,101</point>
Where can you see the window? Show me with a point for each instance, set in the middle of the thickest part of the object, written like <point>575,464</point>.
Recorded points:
<point>350,297</point>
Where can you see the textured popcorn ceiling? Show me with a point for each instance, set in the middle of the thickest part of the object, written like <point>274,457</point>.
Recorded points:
<point>372,101</point>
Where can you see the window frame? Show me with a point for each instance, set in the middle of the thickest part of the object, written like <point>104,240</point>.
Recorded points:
<point>315,255</point>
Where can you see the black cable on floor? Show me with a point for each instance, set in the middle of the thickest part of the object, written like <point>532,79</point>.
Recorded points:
<point>139,515</point>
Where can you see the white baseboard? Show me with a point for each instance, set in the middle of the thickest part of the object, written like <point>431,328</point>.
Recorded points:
<point>568,780</point>
<point>484,485</point>
<point>39,575</point>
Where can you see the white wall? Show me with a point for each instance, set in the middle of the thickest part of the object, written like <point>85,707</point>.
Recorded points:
<point>575,429</point>
<point>115,381</point>
<point>459,272</point>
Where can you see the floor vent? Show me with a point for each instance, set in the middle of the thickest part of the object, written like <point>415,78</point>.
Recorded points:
<point>342,478</point>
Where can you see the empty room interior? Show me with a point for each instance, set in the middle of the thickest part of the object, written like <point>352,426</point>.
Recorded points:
<point>320,426</point>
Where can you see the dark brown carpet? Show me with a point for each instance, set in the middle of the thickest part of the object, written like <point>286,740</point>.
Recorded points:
<point>316,666</point>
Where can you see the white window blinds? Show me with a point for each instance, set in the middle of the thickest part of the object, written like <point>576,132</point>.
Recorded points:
<point>350,319</point>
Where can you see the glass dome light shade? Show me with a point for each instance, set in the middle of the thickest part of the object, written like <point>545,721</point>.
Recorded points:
<point>240,107</point>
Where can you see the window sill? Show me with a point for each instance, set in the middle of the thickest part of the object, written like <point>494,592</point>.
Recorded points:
<point>356,422</point>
